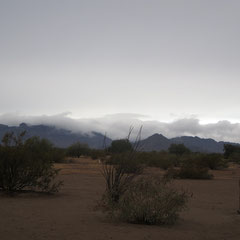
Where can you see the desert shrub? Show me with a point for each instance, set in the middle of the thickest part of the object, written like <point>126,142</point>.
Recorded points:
<point>230,149</point>
<point>191,167</point>
<point>178,149</point>
<point>127,161</point>
<point>136,199</point>
<point>232,153</point>
<point>117,181</point>
<point>235,157</point>
<point>193,172</point>
<point>213,161</point>
<point>77,149</point>
<point>96,154</point>
<point>162,160</point>
<point>58,155</point>
<point>151,200</point>
<point>204,160</point>
<point>27,166</point>
<point>119,171</point>
<point>120,146</point>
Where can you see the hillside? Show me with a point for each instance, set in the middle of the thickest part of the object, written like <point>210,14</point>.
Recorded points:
<point>59,137</point>
<point>156,142</point>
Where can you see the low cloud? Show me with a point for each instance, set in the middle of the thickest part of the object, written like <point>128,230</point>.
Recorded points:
<point>117,125</point>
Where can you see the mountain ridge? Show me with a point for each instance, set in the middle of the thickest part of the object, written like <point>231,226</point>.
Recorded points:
<point>58,136</point>
<point>61,137</point>
<point>158,142</point>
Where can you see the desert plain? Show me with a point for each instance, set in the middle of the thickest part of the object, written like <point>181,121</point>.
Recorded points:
<point>71,214</point>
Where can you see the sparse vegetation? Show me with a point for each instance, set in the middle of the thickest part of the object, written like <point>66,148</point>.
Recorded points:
<point>166,160</point>
<point>128,161</point>
<point>137,199</point>
<point>178,149</point>
<point>120,146</point>
<point>162,160</point>
<point>78,149</point>
<point>232,152</point>
<point>58,155</point>
<point>97,154</point>
<point>119,170</point>
<point>191,166</point>
<point>192,172</point>
<point>117,181</point>
<point>27,165</point>
<point>151,200</point>
<point>213,161</point>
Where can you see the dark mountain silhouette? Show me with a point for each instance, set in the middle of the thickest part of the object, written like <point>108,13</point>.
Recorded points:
<point>157,142</point>
<point>59,137</point>
<point>196,144</point>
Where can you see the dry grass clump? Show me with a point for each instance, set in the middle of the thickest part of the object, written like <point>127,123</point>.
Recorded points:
<point>151,201</point>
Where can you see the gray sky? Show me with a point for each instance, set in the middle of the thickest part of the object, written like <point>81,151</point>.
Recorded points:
<point>167,60</point>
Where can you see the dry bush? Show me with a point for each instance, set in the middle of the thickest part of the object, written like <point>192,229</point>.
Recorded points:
<point>194,173</point>
<point>192,167</point>
<point>117,182</point>
<point>119,173</point>
<point>151,200</point>
<point>136,199</point>
<point>162,159</point>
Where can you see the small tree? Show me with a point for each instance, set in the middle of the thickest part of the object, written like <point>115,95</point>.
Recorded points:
<point>120,146</point>
<point>230,149</point>
<point>78,149</point>
<point>27,166</point>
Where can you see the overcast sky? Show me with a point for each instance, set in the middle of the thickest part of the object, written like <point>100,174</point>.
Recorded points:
<point>166,60</point>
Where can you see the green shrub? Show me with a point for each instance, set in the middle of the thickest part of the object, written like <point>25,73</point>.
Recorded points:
<point>192,167</point>
<point>27,166</point>
<point>193,172</point>
<point>120,146</point>
<point>213,161</point>
<point>127,162</point>
<point>178,149</point>
<point>230,149</point>
<point>235,157</point>
<point>162,160</point>
<point>96,154</point>
<point>117,181</point>
<point>77,149</point>
<point>151,201</point>
<point>58,155</point>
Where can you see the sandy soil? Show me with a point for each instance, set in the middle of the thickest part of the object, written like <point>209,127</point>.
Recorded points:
<point>70,214</point>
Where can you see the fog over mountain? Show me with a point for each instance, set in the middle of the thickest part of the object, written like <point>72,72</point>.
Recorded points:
<point>117,125</point>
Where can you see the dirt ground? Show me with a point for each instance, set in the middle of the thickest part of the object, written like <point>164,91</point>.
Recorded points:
<point>70,214</point>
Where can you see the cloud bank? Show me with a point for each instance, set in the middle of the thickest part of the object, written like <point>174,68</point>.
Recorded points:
<point>117,125</point>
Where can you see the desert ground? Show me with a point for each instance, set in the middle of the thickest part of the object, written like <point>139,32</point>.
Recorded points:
<point>71,214</point>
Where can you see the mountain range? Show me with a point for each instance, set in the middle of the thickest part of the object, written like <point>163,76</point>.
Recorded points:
<point>59,137</point>
<point>157,142</point>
